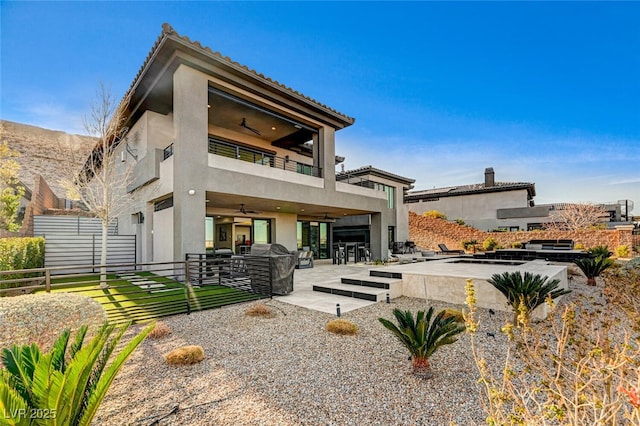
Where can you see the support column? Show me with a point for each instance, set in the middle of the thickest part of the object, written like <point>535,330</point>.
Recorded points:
<point>327,155</point>
<point>190,152</point>
<point>379,235</point>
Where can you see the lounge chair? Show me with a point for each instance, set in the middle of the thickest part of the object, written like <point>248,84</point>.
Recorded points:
<point>304,259</point>
<point>445,250</point>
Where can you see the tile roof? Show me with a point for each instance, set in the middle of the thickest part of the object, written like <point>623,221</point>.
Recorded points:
<point>374,171</point>
<point>168,31</point>
<point>471,189</point>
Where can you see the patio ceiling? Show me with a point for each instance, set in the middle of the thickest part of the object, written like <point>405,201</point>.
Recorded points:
<point>229,204</point>
<point>229,112</point>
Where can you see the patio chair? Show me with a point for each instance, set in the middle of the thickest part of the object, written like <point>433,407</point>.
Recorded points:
<point>304,259</point>
<point>444,250</point>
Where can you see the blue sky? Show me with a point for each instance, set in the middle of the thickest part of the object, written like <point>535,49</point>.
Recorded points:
<point>542,92</point>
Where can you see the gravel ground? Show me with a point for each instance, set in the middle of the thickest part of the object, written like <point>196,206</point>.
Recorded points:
<point>288,370</point>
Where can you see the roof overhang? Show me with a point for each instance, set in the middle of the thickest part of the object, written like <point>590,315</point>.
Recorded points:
<point>152,89</point>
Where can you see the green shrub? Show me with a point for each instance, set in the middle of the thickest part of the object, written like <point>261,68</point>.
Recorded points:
<point>469,245</point>
<point>600,251</point>
<point>578,246</point>
<point>460,222</point>
<point>422,336</point>
<point>70,381</point>
<point>525,292</point>
<point>516,245</point>
<point>622,251</point>
<point>434,214</point>
<point>489,244</point>
<point>20,253</point>
<point>592,267</point>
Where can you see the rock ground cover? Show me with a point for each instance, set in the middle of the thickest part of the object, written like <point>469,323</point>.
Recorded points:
<point>289,370</point>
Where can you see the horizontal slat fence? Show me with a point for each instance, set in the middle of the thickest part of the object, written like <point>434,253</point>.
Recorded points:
<point>75,250</point>
<point>50,224</point>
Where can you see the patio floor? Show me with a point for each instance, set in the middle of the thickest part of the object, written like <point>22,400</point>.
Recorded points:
<point>323,271</point>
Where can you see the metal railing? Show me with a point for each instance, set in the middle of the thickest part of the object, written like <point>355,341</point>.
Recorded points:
<point>251,155</point>
<point>167,152</point>
<point>141,292</point>
<point>355,180</point>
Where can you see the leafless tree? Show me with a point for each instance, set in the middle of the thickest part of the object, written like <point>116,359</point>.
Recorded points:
<point>101,185</point>
<point>576,216</point>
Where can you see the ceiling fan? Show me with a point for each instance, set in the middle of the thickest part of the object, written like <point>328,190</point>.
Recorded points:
<point>246,126</point>
<point>245,211</point>
<point>327,218</point>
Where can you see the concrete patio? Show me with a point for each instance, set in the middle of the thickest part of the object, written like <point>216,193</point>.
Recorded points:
<point>441,279</point>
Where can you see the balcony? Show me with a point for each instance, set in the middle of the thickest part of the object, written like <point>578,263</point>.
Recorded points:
<point>255,156</point>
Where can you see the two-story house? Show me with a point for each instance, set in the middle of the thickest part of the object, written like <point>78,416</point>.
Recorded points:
<point>489,205</point>
<point>226,157</point>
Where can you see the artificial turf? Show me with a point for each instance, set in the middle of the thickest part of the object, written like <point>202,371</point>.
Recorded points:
<point>124,301</point>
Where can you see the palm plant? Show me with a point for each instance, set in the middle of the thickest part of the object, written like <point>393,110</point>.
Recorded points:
<point>422,337</point>
<point>593,267</point>
<point>66,384</point>
<point>600,251</point>
<point>525,292</point>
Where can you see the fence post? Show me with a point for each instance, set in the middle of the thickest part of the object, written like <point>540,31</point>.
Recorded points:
<point>187,286</point>
<point>47,280</point>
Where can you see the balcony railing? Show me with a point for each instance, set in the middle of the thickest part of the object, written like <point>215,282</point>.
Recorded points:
<point>167,152</point>
<point>251,155</point>
<point>356,180</point>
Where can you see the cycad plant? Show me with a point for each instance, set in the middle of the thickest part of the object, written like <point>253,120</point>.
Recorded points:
<point>421,336</point>
<point>525,292</point>
<point>592,267</point>
<point>600,251</point>
<point>66,385</point>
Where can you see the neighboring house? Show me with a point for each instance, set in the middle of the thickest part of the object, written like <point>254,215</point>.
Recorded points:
<point>357,228</point>
<point>487,206</point>
<point>504,206</point>
<point>226,157</point>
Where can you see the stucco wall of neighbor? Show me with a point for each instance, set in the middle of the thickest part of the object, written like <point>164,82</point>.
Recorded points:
<point>427,233</point>
<point>162,235</point>
<point>477,210</point>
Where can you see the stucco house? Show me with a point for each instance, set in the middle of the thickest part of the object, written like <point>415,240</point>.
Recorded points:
<point>226,157</point>
<point>488,205</point>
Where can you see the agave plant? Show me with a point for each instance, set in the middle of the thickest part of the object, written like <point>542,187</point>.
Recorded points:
<point>421,336</point>
<point>66,385</point>
<point>593,267</point>
<point>525,292</point>
<point>600,251</point>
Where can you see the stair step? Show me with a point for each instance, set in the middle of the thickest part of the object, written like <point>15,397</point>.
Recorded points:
<point>355,291</point>
<point>368,281</point>
<point>385,274</point>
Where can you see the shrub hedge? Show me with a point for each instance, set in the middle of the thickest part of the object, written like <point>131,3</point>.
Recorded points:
<point>21,253</point>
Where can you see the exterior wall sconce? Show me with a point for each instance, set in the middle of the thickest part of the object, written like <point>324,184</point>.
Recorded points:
<point>192,192</point>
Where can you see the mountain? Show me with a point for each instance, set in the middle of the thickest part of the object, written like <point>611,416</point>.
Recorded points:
<point>49,153</point>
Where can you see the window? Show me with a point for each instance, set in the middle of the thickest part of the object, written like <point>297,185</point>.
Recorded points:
<point>390,191</point>
<point>261,231</point>
<point>163,204</point>
<point>392,236</point>
<point>303,169</point>
<point>208,230</point>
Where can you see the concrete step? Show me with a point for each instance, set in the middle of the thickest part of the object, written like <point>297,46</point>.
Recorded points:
<point>385,274</point>
<point>355,291</point>
<point>369,281</point>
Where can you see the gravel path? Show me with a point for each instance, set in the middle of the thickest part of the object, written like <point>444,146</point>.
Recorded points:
<point>288,370</point>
